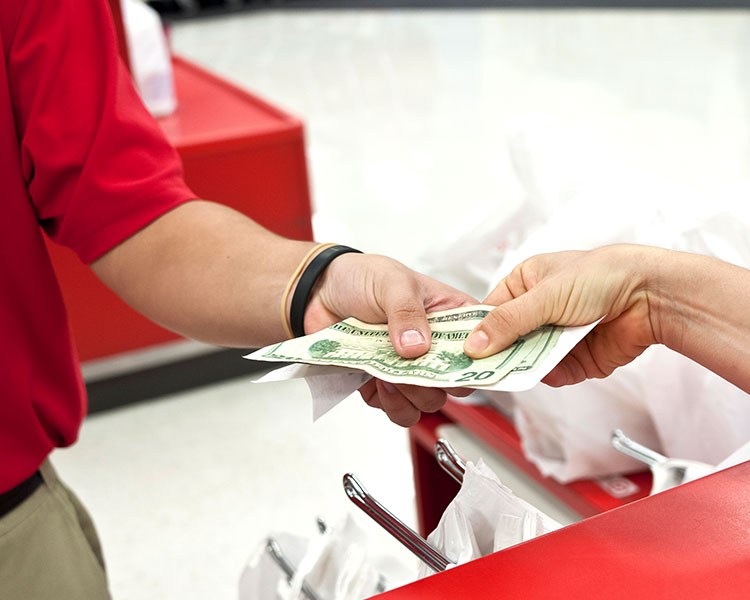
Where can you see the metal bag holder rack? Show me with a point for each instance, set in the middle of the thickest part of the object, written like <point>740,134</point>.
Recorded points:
<point>278,556</point>
<point>447,458</point>
<point>420,547</point>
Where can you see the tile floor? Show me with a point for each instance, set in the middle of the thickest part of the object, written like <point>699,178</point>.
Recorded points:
<point>411,119</point>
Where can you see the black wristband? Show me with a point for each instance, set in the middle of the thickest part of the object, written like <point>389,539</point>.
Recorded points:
<point>307,281</point>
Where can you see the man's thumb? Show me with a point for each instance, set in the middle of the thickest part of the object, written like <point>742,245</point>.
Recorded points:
<point>409,331</point>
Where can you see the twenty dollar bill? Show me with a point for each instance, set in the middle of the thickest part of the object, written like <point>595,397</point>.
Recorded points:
<point>367,347</point>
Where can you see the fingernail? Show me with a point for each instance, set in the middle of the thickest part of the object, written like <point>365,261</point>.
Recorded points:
<point>412,337</point>
<point>477,342</point>
<point>388,387</point>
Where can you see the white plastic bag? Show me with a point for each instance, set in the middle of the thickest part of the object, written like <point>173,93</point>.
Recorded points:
<point>339,568</point>
<point>695,413</point>
<point>484,517</point>
<point>262,578</point>
<point>150,61</point>
<point>741,455</point>
<point>337,565</point>
<point>581,194</point>
<point>565,431</point>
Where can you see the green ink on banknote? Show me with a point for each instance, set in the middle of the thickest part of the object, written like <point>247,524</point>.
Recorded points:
<point>322,347</point>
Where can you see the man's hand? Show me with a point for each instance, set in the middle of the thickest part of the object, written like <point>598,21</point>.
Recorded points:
<point>210,273</point>
<point>377,289</point>
<point>575,288</point>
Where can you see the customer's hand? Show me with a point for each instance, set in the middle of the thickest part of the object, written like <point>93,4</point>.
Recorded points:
<point>575,288</point>
<point>377,289</point>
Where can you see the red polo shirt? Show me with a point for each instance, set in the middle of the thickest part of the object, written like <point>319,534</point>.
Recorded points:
<point>82,161</point>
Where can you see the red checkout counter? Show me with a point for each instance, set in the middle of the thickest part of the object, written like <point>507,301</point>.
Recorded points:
<point>691,542</point>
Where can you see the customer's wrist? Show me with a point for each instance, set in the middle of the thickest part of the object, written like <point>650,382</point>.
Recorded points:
<point>666,282</point>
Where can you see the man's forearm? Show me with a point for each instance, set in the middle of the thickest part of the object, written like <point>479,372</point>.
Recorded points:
<point>206,272</point>
<point>702,308</point>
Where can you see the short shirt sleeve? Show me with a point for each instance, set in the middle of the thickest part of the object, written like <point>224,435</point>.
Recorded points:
<point>98,167</point>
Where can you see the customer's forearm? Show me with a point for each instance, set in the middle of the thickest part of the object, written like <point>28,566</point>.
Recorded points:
<point>702,310</point>
<point>206,272</point>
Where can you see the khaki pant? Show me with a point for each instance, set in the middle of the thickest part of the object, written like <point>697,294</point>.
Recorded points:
<point>49,548</point>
